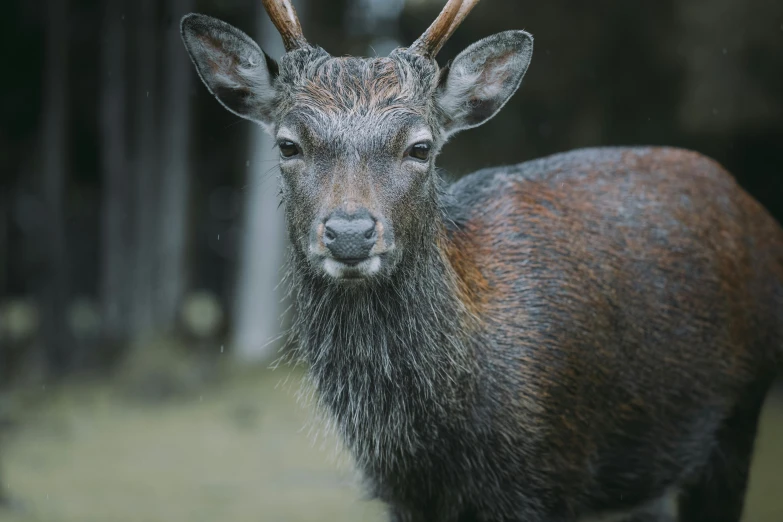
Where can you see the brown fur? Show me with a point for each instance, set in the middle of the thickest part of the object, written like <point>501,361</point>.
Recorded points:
<point>574,337</point>
<point>473,288</point>
<point>662,287</point>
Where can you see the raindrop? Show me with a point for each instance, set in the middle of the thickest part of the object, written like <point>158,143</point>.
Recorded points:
<point>247,163</point>
<point>725,51</point>
<point>221,348</point>
<point>148,94</point>
<point>715,112</point>
<point>218,237</point>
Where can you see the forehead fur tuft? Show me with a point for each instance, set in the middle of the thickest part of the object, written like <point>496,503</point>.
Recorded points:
<point>321,83</point>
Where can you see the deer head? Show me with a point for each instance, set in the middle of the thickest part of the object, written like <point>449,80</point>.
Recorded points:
<point>358,137</point>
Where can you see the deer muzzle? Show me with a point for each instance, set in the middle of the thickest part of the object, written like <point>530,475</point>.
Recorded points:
<point>351,244</point>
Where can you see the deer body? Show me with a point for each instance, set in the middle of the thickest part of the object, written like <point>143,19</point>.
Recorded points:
<point>610,319</point>
<point>584,337</point>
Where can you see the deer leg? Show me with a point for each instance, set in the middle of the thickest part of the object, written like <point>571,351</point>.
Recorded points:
<point>669,516</point>
<point>665,511</point>
<point>718,494</point>
<point>400,514</point>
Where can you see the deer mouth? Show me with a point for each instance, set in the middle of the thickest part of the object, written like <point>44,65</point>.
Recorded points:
<point>352,268</point>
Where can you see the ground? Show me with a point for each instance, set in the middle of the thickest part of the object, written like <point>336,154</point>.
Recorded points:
<point>240,452</point>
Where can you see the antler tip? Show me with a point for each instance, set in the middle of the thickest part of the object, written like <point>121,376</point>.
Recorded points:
<point>436,35</point>
<point>283,16</point>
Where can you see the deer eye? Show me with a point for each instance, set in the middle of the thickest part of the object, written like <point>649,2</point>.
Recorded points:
<point>288,149</point>
<point>419,151</point>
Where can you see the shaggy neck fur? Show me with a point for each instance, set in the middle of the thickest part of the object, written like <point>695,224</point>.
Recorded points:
<point>393,362</point>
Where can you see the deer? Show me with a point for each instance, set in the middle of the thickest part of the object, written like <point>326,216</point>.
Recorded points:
<point>588,336</point>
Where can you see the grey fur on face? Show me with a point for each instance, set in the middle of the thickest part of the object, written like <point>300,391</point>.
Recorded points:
<point>353,120</point>
<point>391,353</point>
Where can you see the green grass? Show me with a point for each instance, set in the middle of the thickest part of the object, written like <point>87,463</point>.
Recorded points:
<point>238,453</point>
<point>764,502</point>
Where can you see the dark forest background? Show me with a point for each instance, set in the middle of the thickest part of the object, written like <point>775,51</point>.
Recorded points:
<point>137,215</point>
<point>124,186</point>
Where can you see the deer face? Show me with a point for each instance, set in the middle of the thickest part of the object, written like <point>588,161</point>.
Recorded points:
<point>357,137</point>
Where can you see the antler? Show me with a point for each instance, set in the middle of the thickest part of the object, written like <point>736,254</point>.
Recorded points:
<point>443,27</point>
<point>284,17</point>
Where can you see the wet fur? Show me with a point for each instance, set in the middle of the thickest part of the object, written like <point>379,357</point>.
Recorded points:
<point>582,337</point>
<point>627,318</point>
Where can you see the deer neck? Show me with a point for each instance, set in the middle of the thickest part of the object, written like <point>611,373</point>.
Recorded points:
<point>392,362</point>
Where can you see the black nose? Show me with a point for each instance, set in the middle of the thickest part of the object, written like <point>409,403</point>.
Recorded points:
<point>350,237</point>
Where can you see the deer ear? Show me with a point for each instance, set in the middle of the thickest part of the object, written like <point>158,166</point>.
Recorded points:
<point>232,66</point>
<point>482,78</point>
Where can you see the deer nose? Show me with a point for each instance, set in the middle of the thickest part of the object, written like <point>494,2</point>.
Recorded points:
<point>350,237</point>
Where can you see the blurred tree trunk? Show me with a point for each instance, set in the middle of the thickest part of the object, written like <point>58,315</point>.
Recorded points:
<point>175,126</point>
<point>4,254</point>
<point>117,194</point>
<point>257,307</point>
<point>53,280</point>
<point>145,171</point>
